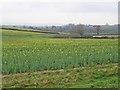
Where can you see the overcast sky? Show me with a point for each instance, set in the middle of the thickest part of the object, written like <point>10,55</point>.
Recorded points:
<point>59,13</point>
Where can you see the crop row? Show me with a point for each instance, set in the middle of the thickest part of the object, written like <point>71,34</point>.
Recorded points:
<point>36,54</point>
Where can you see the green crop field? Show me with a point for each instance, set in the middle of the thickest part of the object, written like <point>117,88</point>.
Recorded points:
<point>29,52</point>
<point>38,60</point>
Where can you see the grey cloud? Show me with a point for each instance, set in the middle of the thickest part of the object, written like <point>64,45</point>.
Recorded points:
<point>89,7</point>
<point>85,7</point>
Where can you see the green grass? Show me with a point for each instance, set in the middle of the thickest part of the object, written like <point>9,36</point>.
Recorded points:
<point>97,76</point>
<point>30,52</point>
<point>11,27</point>
<point>22,35</point>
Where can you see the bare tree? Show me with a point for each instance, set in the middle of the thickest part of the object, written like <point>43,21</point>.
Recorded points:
<point>97,29</point>
<point>79,29</point>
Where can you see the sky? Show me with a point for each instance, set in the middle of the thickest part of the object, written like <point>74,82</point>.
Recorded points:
<point>58,12</point>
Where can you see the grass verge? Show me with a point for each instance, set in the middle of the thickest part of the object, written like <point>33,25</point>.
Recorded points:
<point>97,76</point>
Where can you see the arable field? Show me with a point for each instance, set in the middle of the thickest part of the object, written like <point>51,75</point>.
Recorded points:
<point>26,53</point>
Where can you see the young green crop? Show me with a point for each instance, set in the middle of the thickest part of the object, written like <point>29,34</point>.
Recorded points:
<point>28,52</point>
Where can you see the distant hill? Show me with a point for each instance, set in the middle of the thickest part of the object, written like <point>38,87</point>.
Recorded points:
<point>104,29</point>
<point>87,29</point>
